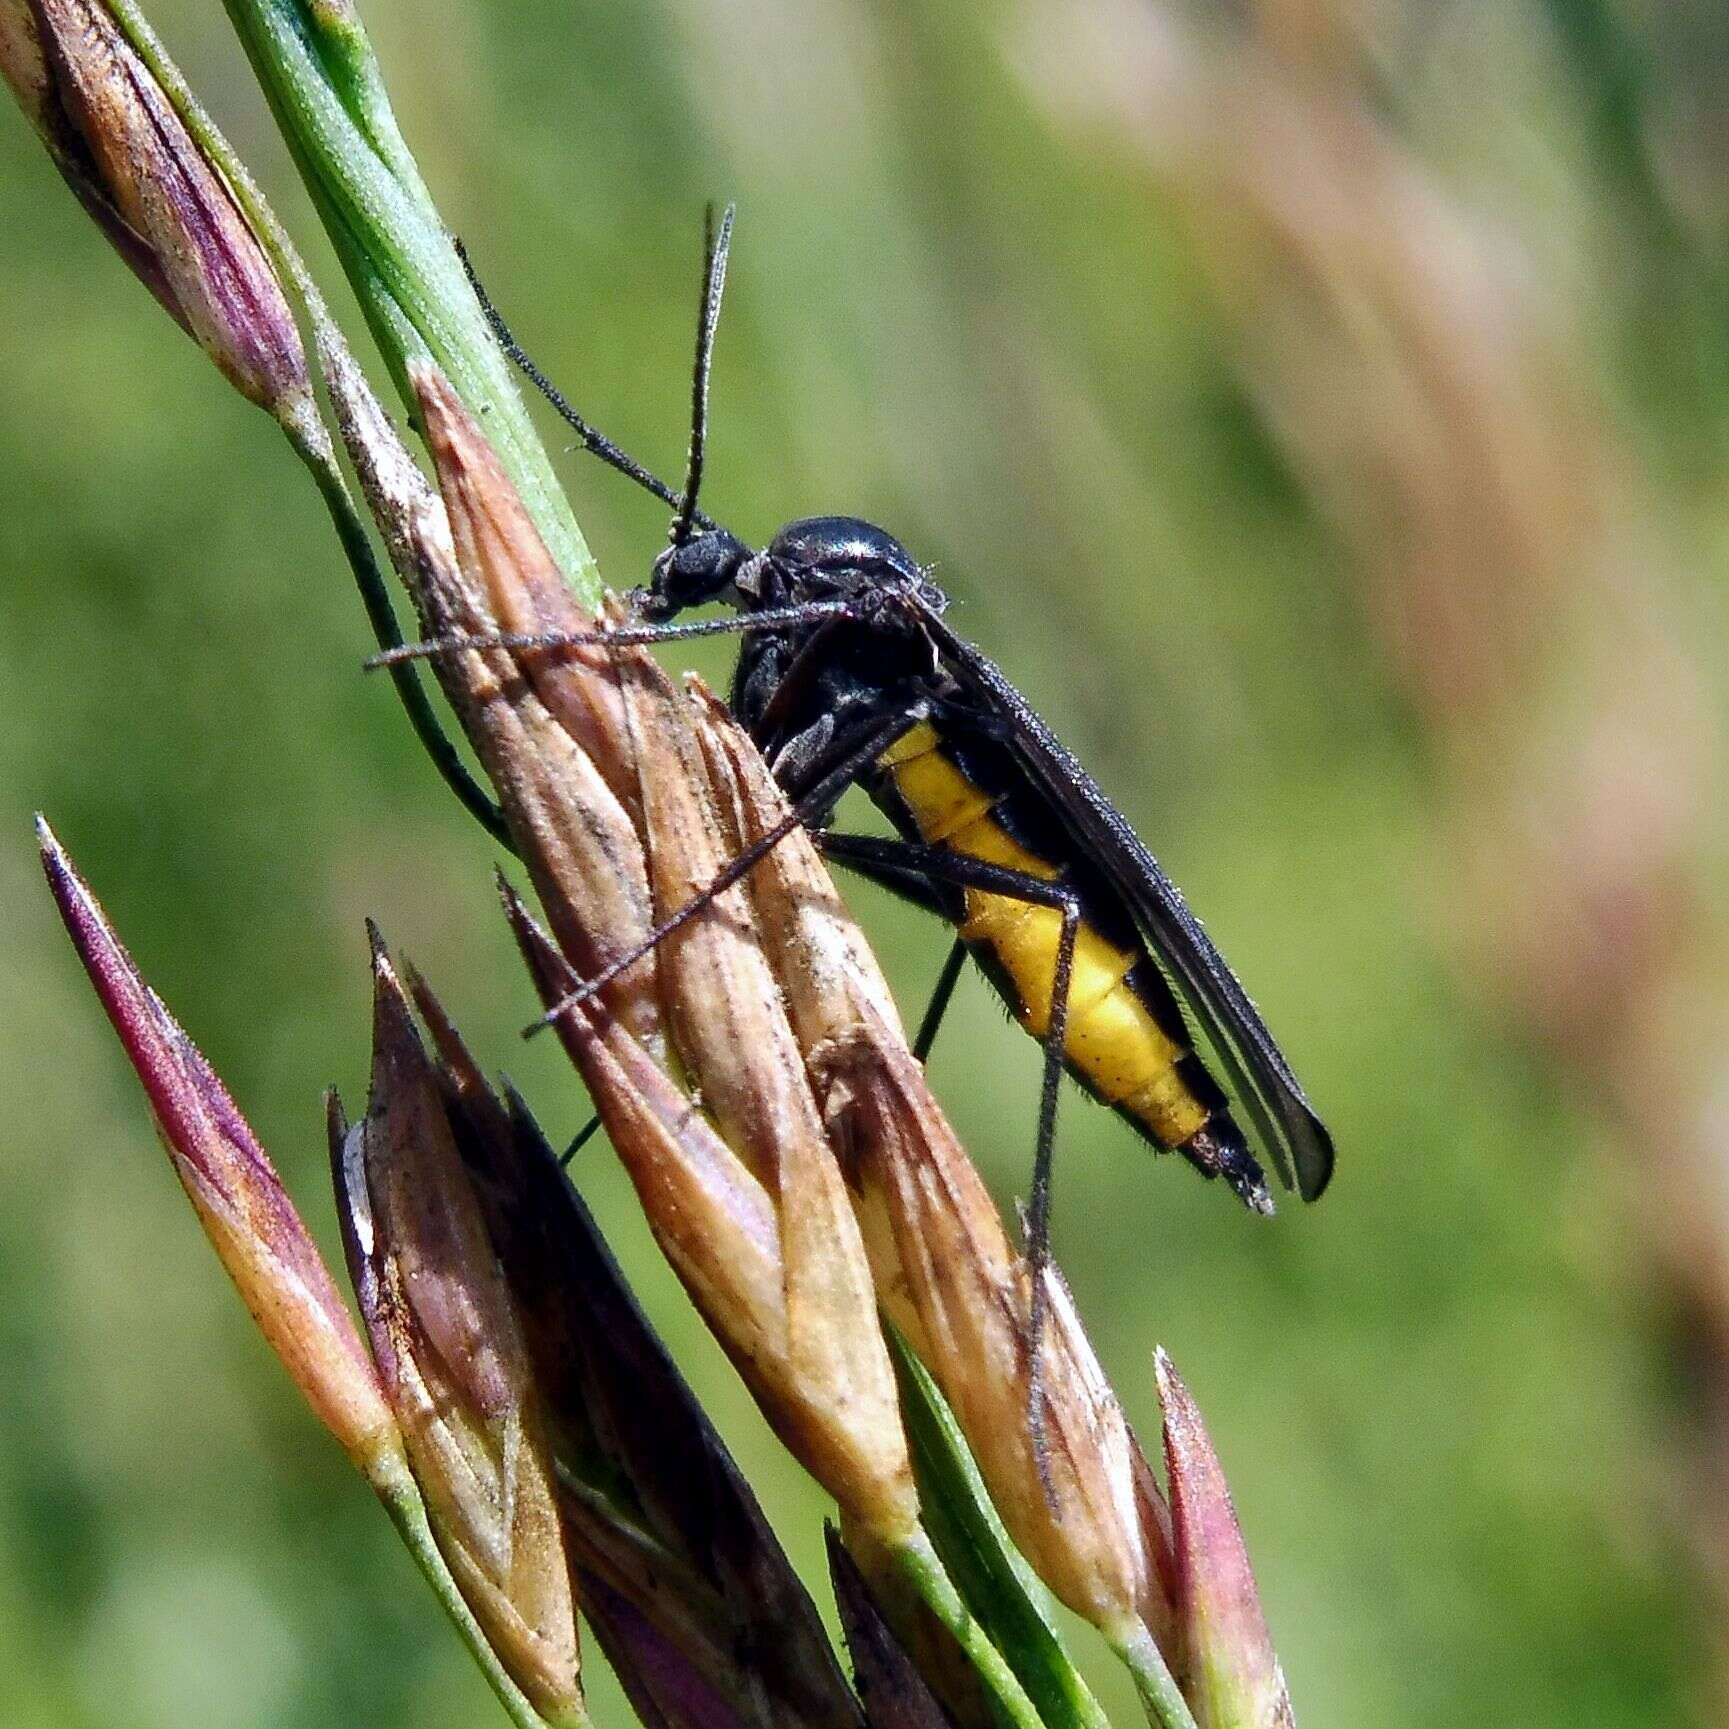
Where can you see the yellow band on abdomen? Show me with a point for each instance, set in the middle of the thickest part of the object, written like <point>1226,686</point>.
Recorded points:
<point>1112,1041</point>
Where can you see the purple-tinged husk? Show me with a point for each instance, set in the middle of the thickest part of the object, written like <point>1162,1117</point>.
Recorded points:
<point>450,1352</point>
<point>234,1189</point>
<point>892,1691</point>
<point>162,203</point>
<point>709,1581</point>
<point>1226,1664</point>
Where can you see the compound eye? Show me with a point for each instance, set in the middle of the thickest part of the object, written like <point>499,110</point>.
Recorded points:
<point>689,575</point>
<point>655,603</point>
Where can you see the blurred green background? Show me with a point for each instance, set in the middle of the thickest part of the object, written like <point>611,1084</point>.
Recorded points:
<point>1318,410</point>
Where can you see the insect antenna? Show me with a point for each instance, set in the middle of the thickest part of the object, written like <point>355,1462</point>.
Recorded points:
<point>616,635</point>
<point>594,441</point>
<point>716,246</point>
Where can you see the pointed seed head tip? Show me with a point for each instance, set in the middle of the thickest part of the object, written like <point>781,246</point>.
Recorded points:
<point>165,206</point>
<point>1233,1672</point>
<point>77,906</point>
<point>461,1382</point>
<point>233,1188</point>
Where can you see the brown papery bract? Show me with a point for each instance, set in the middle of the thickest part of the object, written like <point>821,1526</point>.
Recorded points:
<point>449,1344</point>
<point>826,972</point>
<point>943,1266</point>
<point>554,760</point>
<point>825,967</point>
<point>23,67</point>
<point>724,1002</point>
<point>733,1030</point>
<point>775,1266</point>
<point>524,591</point>
<point>1077,1520</point>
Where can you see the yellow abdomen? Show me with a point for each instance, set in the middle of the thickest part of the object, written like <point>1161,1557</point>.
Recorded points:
<point>1112,1042</point>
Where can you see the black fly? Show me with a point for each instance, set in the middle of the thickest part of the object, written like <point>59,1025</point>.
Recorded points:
<point>848,674</point>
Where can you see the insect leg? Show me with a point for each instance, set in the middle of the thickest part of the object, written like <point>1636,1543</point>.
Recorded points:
<point>910,859</point>
<point>1038,1230</point>
<point>911,886</point>
<point>916,890</point>
<point>941,996</point>
<point>884,859</point>
<point>915,887</point>
<point>817,800</point>
<point>583,1136</point>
